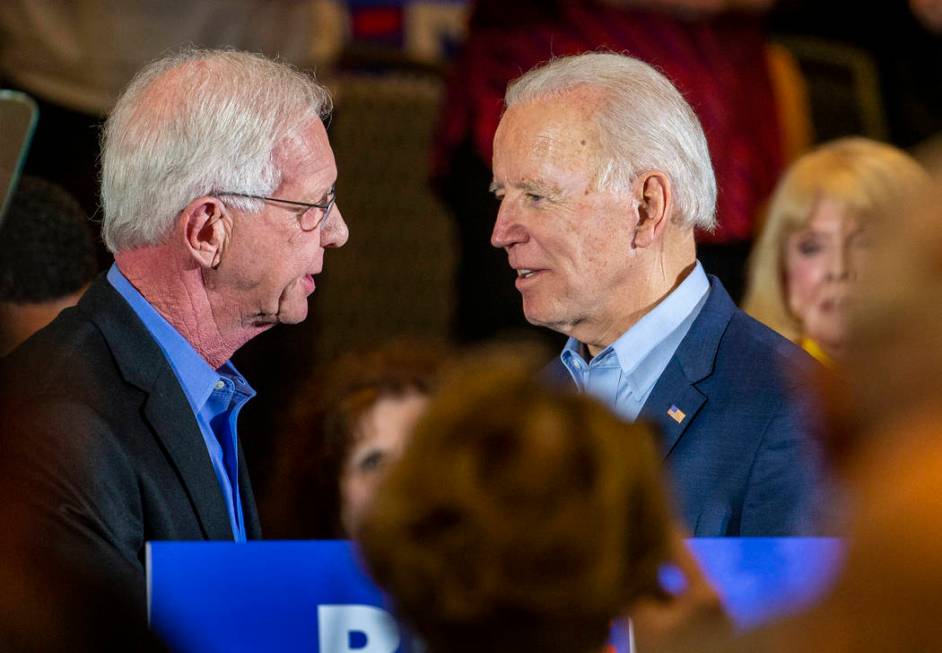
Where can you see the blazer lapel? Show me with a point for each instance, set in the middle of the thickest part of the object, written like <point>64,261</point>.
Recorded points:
<point>167,410</point>
<point>675,400</point>
<point>672,406</point>
<point>169,413</point>
<point>253,527</point>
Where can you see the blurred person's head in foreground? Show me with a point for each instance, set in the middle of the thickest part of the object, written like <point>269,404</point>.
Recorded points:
<point>884,599</point>
<point>895,343</point>
<point>47,259</point>
<point>343,431</point>
<point>813,247</point>
<point>519,518</point>
<point>887,442</point>
<point>890,409</point>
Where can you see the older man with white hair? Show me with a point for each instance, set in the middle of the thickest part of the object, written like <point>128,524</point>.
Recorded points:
<point>218,193</point>
<point>603,172</point>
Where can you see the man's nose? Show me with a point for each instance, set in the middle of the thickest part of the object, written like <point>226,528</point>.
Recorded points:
<point>507,228</point>
<point>335,233</point>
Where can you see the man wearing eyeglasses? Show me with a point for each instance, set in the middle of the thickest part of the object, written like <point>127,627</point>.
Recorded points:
<point>219,203</point>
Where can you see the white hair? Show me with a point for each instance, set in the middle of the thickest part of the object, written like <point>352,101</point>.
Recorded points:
<point>644,123</point>
<point>195,123</point>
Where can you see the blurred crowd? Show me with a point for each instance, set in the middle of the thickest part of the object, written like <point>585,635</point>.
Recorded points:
<point>698,250</point>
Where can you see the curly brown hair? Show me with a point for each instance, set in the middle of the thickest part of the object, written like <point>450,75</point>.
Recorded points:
<point>521,517</point>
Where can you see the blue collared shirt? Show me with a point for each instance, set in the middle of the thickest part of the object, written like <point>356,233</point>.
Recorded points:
<point>215,396</point>
<point>623,374</point>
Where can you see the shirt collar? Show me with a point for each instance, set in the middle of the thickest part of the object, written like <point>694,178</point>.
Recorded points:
<point>196,376</point>
<point>636,350</point>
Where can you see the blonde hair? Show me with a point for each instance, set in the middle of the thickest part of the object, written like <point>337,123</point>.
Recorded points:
<point>866,176</point>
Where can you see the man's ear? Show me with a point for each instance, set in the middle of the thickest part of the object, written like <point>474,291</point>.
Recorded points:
<point>652,191</point>
<point>206,227</point>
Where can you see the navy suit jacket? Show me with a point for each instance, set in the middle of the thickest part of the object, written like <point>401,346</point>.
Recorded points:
<point>102,448</point>
<point>741,456</point>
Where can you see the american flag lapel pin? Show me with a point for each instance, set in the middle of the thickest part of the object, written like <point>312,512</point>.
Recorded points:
<point>676,414</point>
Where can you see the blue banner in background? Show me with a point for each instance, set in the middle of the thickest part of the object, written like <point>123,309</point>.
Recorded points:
<point>208,597</point>
<point>762,578</point>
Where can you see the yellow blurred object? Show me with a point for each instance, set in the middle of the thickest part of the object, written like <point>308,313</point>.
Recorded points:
<point>791,98</point>
<point>815,350</point>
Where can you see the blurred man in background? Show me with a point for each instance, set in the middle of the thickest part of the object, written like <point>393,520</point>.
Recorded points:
<point>47,259</point>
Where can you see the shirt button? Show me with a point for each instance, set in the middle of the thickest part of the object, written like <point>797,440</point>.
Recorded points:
<point>220,384</point>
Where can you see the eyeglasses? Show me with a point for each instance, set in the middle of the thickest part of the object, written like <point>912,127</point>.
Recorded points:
<point>307,219</point>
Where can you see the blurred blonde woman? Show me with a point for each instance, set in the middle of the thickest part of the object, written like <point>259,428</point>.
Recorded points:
<point>805,265</point>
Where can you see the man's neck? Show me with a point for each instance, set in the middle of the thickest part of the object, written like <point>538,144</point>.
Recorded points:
<point>599,335</point>
<point>173,284</point>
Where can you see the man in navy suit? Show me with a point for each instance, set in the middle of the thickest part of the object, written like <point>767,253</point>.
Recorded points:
<point>603,174</point>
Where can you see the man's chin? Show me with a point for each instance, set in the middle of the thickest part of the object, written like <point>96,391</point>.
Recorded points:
<point>542,319</point>
<point>292,317</point>
<point>292,308</point>
<point>552,320</point>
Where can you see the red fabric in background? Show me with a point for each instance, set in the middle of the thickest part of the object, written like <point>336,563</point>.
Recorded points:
<point>718,64</point>
<point>377,23</point>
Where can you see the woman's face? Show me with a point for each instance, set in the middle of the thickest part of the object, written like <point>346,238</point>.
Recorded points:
<point>821,265</point>
<point>378,440</point>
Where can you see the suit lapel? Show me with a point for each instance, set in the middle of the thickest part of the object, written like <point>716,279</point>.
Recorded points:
<point>672,406</point>
<point>253,528</point>
<point>173,422</point>
<point>167,410</point>
<point>675,400</point>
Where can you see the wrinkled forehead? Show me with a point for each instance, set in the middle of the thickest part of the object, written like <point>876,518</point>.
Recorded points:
<point>308,140</point>
<point>306,151</point>
<point>552,130</point>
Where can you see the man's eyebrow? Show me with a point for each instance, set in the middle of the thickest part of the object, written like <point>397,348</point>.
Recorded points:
<point>540,188</point>
<point>529,186</point>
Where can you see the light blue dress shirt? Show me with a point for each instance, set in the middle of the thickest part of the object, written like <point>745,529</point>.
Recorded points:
<point>623,374</point>
<point>216,396</point>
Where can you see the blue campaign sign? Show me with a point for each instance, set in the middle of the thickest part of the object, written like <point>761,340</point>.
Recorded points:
<point>760,578</point>
<point>314,597</point>
<point>266,596</point>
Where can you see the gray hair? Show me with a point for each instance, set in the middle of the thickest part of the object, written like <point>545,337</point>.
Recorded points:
<point>195,123</point>
<point>645,124</point>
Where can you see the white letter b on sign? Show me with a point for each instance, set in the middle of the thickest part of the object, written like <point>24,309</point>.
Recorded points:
<point>356,629</point>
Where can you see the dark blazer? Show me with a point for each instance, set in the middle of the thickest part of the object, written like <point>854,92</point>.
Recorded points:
<point>741,458</point>
<point>102,447</point>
